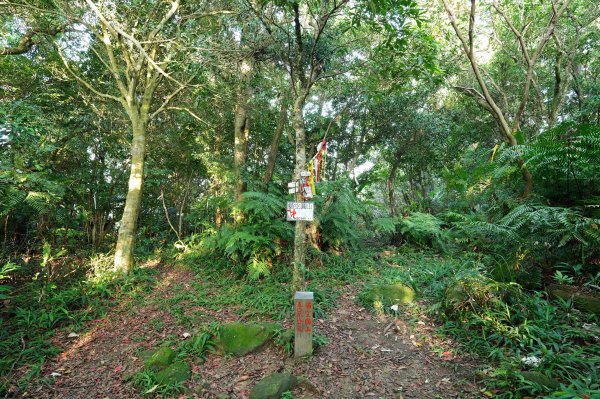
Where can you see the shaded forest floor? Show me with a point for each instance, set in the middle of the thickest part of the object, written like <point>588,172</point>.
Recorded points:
<point>365,355</point>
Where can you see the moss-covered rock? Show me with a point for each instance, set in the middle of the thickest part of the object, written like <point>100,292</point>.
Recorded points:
<point>477,293</point>
<point>174,373</point>
<point>160,359</point>
<point>273,386</point>
<point>146,354</point>
<point>240,339</point>
<point>582,301</point>
<point>540,378</point>
<point>386,295</point>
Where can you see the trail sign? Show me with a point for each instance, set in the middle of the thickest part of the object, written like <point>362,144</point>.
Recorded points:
<point>303,330</point>
<point>293,187</point>
<point>300,211</point>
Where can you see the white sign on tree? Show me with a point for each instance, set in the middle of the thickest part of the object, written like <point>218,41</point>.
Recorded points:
<point>300,211</point>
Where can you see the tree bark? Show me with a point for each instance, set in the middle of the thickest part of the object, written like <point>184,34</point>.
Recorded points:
<point>26,42</point>
<point>241,128</point>
<point>300,228</point>
<point>281,121</point>
<point>124,252</point>
<point>391,180</point>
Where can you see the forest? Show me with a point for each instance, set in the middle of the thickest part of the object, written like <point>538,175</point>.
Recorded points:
<point>172,172</point>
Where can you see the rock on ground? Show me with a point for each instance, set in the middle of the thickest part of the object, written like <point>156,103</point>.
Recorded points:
<point>273,386</point>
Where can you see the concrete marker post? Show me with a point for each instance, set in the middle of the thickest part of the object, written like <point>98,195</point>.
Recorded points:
<point>303,329</point>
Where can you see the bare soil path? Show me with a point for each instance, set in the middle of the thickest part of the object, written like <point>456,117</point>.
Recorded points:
<point>366,357</point>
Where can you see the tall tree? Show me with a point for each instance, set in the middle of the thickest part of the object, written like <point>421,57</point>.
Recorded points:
<point>501,111</point>
<point>141,48</point>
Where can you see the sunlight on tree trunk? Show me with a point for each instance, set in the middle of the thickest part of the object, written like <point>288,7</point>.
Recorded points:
<point>124,251</point>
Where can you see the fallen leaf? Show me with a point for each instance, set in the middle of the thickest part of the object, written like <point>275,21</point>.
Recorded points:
<point>119,368</point>
<point>152,389</point>
<point>443,381</point>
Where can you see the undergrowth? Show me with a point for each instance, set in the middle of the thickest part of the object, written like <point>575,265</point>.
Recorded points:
<point>40,308</point>
<point>534,346</point>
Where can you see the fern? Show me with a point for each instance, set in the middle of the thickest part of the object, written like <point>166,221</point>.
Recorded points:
<point>563,159</point>
<point>423,229</point>
<point>10,199</point>
<point>5,271</point>
<point>554,225</point>
<point>385,225</point>
<point>256,240</point>
<point>258,268</point>
<point>340,213</point>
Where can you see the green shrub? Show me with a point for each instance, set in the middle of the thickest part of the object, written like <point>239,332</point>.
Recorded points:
<point>417,228</point>
<point>339,214</point>
<point>253,243</point>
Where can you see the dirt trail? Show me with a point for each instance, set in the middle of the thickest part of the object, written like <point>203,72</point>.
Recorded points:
<point>360,361</point>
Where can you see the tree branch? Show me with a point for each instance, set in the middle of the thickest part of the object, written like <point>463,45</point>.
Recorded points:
<point>190,112</point>
<point>530,60</point>
<point>85,82</point>
<point>473,93</point>
<point>26,42</point>
<point>168,98</point>
<point>114,26</point>
<point>496,111</point>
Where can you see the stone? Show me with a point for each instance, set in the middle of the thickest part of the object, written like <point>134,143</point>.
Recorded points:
<point>540,378</point>
<point>273,386</point>
<point>304,383</point>
<point>386,295</point>
<point>582,301</point>
<point>240,339</point>
<point>174,374</point>
<point>477,293</point>
<point>146,354</point>
<point>160,359</point>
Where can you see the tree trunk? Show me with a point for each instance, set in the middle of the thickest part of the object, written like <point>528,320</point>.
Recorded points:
<point>390,186</point>
<point>241,129</point>
<point>276,140</point>
<point>300,228</point>
<point>124,252</point>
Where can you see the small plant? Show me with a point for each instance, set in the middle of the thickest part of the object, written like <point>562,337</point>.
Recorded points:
<point>199,345</point>
<point>562,278</point>
<point>145,381</point>
<point>285,339</point>
<point>5,271</point>
<point>319,340</point>
<point>287,395</point>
